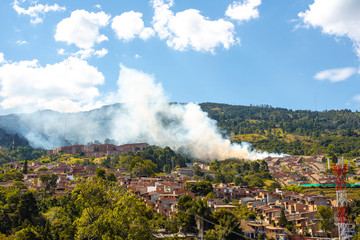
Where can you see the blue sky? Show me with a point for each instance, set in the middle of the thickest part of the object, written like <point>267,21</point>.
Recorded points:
<point>67,55</point>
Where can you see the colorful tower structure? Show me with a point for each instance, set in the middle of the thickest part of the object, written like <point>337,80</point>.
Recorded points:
<point>341,199</point>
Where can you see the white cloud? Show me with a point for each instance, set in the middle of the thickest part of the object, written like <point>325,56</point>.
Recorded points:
<point>2,58</point>
<point>137,56</point>
<point>335,75</point>
<point>334,17</point>
<point>67,86</point>
<point>36,12</point>
<point>129,25</point>
<point>190,30</point>
<point>61,51</point>
<point>82,28</point>
<point>85,53</point>
<point>98,6</point>
<point>243,11</point>
<point>21,42</point>
<point>101,53</point>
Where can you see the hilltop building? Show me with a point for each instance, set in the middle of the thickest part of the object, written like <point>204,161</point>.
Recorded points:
<point>98,150</point>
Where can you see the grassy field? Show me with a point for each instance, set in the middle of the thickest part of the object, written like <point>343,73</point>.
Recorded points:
<point>353,193</point>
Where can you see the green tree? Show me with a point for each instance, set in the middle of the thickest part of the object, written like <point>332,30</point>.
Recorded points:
<point>27,208</point>
<point>100,173</point>
<point>200,188</point>
<point>326,217</point>
<point>215,165</point>
<point>184,219</point>
<point>142,168</point>
<point>201,211</point>
<point>283,220</point>
<point>25,167</point>
<point>27,234</point>
<point>243,212</point>
<point>18,185</point>
<point>111,177</point>
<point>239,181</point>
<point>5,222</point>
<point>228,226</point>
<point>49,181</point>
<point>197,170</point>
<point>108,211</point>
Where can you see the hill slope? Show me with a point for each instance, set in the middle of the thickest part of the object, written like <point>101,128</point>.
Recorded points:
<point>336,132</point>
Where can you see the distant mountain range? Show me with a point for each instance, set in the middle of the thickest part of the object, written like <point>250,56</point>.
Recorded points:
<point>57,128</point>
<point>267,128</point>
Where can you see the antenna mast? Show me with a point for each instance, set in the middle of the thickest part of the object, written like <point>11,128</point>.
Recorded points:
<point>341,200</point>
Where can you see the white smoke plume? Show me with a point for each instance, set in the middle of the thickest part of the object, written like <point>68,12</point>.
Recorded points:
<point>143,115</point>
<point>184,127</point>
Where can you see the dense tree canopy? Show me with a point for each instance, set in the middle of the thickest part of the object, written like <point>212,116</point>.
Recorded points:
<point>287,131</point>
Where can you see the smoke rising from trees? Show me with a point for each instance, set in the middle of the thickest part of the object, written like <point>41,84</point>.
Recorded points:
<point>144,115</point>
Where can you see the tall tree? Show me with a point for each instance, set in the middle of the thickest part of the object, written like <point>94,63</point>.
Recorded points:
<point>326,217</point>
<point>27,208</point>
<point>183,218</point>
<point>283,220</point>
<point>201,210</point>
<point>228,225</point>
<point>49,181</point>
<point>25,168</point>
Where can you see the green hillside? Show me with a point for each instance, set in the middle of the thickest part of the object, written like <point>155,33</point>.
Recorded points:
<point>301,132</point>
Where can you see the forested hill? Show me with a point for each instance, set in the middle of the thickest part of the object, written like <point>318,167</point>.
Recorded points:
<point>335,132</point>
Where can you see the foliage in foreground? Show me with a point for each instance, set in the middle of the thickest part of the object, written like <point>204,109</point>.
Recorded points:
<point>96,209</point>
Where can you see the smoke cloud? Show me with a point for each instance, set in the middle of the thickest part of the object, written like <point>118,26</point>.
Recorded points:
<point>144,115</point>
<point>185,127</point>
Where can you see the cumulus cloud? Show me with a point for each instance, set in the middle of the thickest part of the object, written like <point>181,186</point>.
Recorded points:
<point>243,11</point>
<point>338,18</point>
<point>36,12</point>
<point>2,58</point>
<point>98,6</point>
<point>85,53</point>
<point>129,25</point>
<point>335,75</point>
<point>82,28</point>
<point>191,30</point>
<point>67,86</point>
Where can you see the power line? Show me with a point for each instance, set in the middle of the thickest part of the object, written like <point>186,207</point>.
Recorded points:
<point>213,223</point>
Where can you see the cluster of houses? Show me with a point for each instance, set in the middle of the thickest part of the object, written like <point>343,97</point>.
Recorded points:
<point>98,150</point>
<point>299,170</point>
<point>162,194</point>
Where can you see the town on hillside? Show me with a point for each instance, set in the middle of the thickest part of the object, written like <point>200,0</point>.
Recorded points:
<point>269,205</point>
